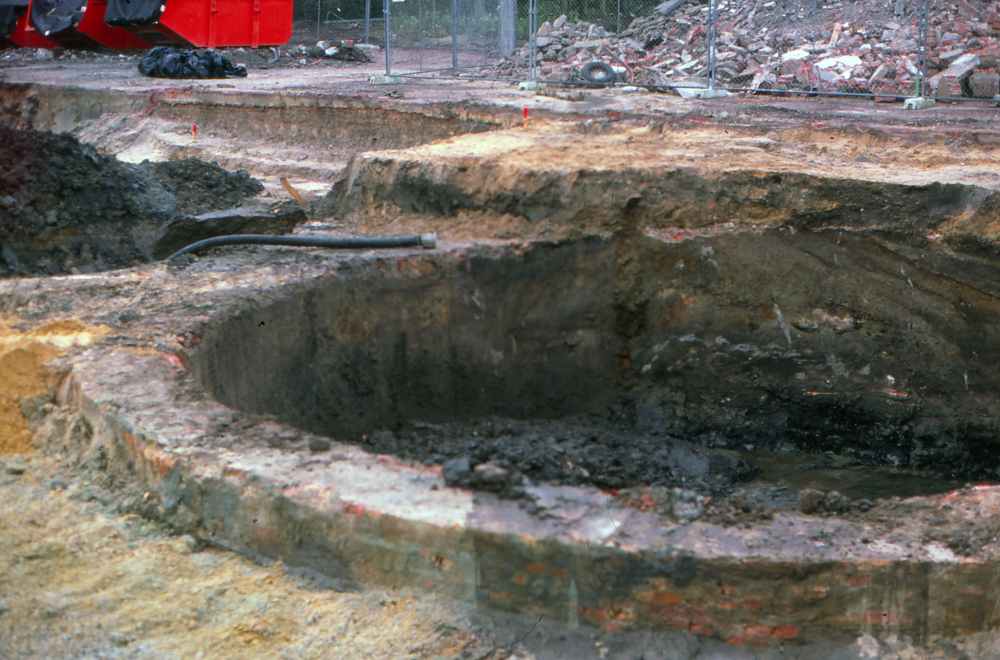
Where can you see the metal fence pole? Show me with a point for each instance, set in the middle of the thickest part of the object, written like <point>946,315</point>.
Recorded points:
<point>388,41</point>
<point>619,19</point>
<point>508,28</point>
<point>319,7</point>
<point>368,19</point>
<point>532,29</point>
<point>712,19</point>
<point>922,49</point>
<point>813,78</point>
<point>454,34</point>
<point>420,35</point>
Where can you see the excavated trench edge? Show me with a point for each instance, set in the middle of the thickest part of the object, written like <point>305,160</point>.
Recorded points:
<point>357,518</point>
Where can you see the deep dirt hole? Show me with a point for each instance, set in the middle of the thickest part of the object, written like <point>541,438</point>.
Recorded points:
<point>626,362</point>
<point>634,360</point>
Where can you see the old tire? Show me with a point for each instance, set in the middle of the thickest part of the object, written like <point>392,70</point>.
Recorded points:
<point>599,73</point>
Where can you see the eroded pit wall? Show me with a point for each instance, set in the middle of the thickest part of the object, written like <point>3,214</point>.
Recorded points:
<point>863,343</point>
<point>531,334</point>
<point>324,120</point>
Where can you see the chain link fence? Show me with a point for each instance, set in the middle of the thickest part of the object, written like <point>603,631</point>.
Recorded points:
<point>881,48</point>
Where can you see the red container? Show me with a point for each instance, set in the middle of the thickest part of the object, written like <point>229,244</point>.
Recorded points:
<point>217,23</point>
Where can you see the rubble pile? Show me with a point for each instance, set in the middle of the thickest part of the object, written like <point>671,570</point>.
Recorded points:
<point>335,50</point>
<point>846,48</point>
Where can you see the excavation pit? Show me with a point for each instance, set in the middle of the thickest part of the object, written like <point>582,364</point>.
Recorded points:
<point>292,416</point>
<point>459,367</point>
<point>604,400</point>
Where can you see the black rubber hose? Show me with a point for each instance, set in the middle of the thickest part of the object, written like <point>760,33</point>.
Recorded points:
<point>358,243</point>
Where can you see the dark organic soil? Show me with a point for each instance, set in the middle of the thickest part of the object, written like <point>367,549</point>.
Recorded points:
<point>593,450</point>
<point>64,205</point>
<point>53,181</point>
<point>199,186</point>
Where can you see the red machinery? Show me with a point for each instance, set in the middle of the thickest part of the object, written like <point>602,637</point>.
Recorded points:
<point>93,33</point>
<point>26,36</point>
<point>67,23</point>
<point>140,24</point>
<point>93,26</point>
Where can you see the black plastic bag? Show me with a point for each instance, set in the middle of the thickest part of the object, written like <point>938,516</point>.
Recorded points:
<point>10,11</point>
<point>164,62</point>
<point>122,13</point>
<point>52,16</point>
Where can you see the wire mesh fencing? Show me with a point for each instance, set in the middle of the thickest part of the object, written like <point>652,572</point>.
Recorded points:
<point>447,35</point>
<point>356,20</point>
<point>882,48</point>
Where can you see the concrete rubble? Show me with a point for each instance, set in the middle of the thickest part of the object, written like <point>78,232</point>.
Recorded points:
<point>336,50</point>
<point>844,49</point>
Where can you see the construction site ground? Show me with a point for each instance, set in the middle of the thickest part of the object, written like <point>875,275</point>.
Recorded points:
<point>84,575</point>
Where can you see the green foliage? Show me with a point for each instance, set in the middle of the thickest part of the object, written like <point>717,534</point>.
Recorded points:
<point>600,12</point>
<point>416,30</point>
<point>333,10</point>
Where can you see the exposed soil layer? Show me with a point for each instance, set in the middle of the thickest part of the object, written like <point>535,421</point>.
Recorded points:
<point>777,322</point>
<point>94,571</point>
<point>23,387</point>
<point>353,516</point>
<point>648,177</point>
<point>65,207</point>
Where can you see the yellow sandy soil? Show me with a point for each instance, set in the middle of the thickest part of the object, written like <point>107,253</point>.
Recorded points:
<point>22,359</point>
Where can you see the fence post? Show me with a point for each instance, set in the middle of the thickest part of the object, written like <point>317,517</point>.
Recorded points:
<point>507,28</point>
<point>712,19</point>
<point>368,19</point>
<point>813,76</point>
<point>454,34</point>
<point>532,29</point>
<point>388,41</point>
<point>319,7</point>
<point>619,19</point>
<point>922,50</point>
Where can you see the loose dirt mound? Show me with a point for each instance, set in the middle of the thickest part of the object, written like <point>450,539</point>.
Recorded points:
<point>65,207</point>
<point>53,181</point>
<point>198,186</point>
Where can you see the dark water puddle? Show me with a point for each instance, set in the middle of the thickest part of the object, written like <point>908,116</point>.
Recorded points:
<point>797,470</point>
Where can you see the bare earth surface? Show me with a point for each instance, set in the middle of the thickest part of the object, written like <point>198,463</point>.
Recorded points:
<point>81,580</point>
<point>84,575</point>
